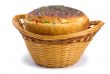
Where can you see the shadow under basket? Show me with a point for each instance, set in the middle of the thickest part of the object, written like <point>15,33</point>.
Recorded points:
<point>59,50</point>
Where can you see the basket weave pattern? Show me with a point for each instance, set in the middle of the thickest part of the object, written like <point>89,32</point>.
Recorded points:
<point>56,55</point>
<point>57,51</point>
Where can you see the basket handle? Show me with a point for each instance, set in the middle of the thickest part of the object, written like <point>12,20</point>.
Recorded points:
<point>18,21</point>
<point>94,23</point>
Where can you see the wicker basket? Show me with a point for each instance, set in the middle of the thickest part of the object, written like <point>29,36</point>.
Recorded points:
<point>59,50</point>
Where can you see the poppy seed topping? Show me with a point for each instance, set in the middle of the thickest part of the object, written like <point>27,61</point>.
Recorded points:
<point>57,11</point>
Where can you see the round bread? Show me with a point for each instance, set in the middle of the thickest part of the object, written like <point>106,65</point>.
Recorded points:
<point>55,20</point>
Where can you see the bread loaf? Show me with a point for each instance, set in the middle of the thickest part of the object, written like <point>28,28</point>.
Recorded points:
<point>55,20</point>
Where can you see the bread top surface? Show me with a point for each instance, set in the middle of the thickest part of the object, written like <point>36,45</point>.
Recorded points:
<point>56,11</point>
<point>56,14</point>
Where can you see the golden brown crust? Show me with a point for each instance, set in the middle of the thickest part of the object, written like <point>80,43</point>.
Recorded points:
<point>75,25</point>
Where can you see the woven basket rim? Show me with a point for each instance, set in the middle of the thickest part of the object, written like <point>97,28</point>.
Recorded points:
<point>19,25</point>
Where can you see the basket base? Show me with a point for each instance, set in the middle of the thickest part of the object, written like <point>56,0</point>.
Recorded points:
<point>55,66</point>
<point>56,55</point>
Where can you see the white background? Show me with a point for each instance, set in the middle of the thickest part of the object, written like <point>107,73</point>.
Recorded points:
<point>15,59</point>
